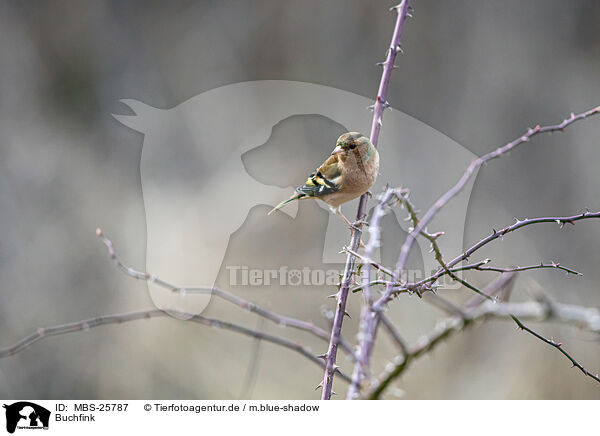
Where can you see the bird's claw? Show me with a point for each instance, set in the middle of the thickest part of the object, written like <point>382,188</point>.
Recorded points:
<point>361,222</point>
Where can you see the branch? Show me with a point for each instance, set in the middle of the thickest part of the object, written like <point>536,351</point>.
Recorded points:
<point>121,318</point>
<point>372,311</point>
<point>475,164</point>
<point>220,293</point>
<point>394,333</point>
<point>445,269</point>
<point>557,345</point>
<point>561,221</point>
<point>380,104</point>
<point>479,266</point>
<point>583,317</point>
<point>368,319</point>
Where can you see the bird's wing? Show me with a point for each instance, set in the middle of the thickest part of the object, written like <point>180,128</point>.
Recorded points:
<point>325,180</point>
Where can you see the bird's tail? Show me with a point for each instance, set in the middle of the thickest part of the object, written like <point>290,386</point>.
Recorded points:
<point>283,203</point>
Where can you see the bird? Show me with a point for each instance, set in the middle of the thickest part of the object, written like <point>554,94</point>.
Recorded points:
<point>346,174</point>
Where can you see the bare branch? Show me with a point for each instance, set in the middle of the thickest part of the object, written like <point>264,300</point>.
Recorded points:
<point>220,293</point>
<point>583,317</point>
<point>121,318</point>
<point>368,318</point>
<point>394,333</point>
<point>445,269</point>
<point>380,104</point>
<point>522,326</point>
<point>560,220</point>
<point>479,266</point>
<point>475,164</point>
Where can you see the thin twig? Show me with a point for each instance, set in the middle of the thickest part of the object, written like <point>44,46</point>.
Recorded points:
<point>479,266</point>
<point>121,318</point>
<point>557,345</point>
<point>367,260</point>
<point>367,317</point>
<point>518,224</point>
<point>585,318</point>
<point>220,293</point>
<point>560,220</point>
<point>475,164</point>
<point>394,333</point>
<point>445,269</point>
<point>380,104</point>
<point>399,287</point>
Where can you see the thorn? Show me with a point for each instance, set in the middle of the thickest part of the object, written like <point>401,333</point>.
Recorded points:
<point>98,232</point>
<point>371,108</point>
<point>437,235</point>
<point>333,393</point>
<point>322,356</point>
<point>320,385</point>
<point>347,314</point>
<point>333,295</point>
<point>380,64</point>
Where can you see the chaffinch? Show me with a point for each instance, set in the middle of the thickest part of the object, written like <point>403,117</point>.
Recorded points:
<point>347,174</point>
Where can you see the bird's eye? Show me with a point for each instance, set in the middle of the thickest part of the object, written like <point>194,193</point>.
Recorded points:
<point>353,146</point>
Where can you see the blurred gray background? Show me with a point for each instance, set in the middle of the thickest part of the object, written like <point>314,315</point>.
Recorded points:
<point>479,72</point>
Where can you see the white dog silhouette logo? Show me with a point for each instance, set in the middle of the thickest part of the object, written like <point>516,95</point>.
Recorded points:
<point>197,192</point>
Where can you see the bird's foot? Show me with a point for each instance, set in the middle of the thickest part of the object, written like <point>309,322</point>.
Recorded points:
<point>360,222</point>
<point>355,226</point>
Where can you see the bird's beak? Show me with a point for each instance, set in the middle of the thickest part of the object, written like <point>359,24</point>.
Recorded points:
<point>337,150</point>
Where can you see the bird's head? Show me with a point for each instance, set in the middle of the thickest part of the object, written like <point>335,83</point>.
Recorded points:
<point>353,142</point>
